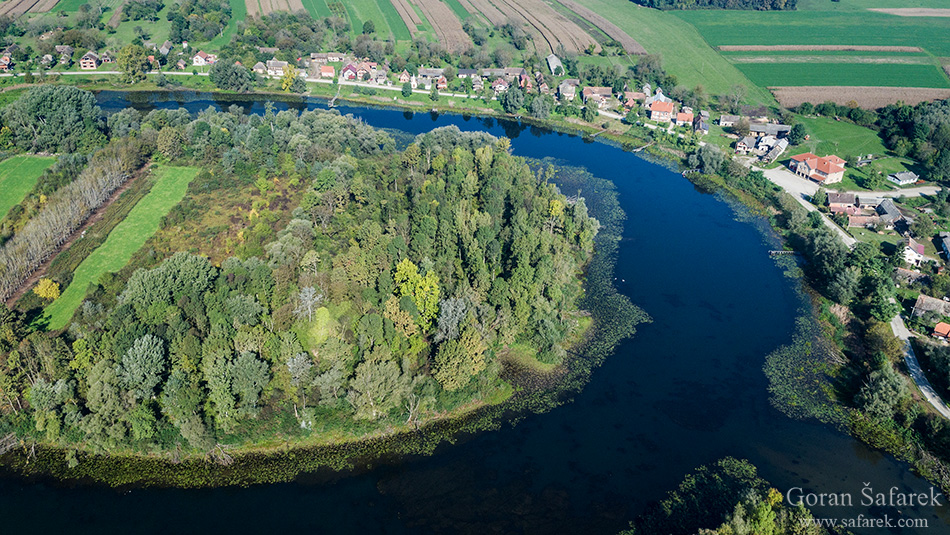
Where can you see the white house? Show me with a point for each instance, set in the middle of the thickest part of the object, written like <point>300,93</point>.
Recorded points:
<point>903,178</point>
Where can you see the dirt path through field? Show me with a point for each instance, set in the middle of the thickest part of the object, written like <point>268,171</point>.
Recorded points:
<point>96,216</point>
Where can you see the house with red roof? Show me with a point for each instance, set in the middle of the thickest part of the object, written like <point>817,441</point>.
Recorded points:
<point>684,117</point>
<point>942,330</point>
<point>327,71</point>
<point>349,72</point>
<point>404,77</point>
<point>661,112</point>
<point>500,85</point>
<point>825,170</point>
<point>442,83</point>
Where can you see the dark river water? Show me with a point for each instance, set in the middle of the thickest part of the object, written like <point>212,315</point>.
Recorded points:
<point>687,390</point>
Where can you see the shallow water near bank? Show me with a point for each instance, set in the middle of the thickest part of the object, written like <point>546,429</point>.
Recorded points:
<point>687,390</point>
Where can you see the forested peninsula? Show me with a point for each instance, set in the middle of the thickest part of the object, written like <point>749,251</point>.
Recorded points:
<point>354,289</point>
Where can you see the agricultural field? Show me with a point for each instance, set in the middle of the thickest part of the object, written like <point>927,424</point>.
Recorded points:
<point>827,44</point>
<point>684,52</point>
<point>18,175</point>
<point>170,186</point>
<point>16,8</point>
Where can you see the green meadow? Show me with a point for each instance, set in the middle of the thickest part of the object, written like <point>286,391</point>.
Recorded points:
<point>18,175</point>
<point>170,185</point>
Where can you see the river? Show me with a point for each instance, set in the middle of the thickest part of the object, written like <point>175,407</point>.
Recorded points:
<point>687,390</point>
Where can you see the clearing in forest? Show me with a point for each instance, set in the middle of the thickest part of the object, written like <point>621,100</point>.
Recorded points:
<point>18,175</point>
<point>171,184</point>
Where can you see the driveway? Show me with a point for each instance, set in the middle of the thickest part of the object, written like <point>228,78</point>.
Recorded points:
<point>917,374</point>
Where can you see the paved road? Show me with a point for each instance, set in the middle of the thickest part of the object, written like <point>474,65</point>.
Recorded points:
<point>802,190</point>
<point>901,332</point>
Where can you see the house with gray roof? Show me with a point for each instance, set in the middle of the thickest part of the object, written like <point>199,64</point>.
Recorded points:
<point>904,178</point>
<point>926,304</point>
<point>888,212</point>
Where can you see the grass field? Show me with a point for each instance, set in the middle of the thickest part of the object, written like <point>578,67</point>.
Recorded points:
<point>836,74</point>
<point>18,175</point>
<point>238,12</point>
<point>171,183</point>
<point>827,136</point>
<point>685,54</point>
<point>457,8</point>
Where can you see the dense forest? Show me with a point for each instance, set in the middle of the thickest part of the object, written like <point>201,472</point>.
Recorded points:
<point>392,294</point>
<point>765,5</point>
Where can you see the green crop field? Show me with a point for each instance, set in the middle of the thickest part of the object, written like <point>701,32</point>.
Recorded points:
<point>317,8</point>
<point>861,74</point>
<point>457,8</point>
<point>18,175</point>
<point>685,54</point>
<point>171,183</point>
<point>810,28</point>
<point>396,24</point>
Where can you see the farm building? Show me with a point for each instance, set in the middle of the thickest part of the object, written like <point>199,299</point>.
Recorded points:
<point>701,122</point>
<point>165,48</point>
<point>745,145</point>
<point>554,63</point>
<point>568,89</point>
<point>276,67</point>
<point>267,49</point>
<point>926,304</point>
<point>64,50</point>
<point>89,61</point>
<point>903,178</point>
<point>467,73</point>
<point>661,111</point>
<point>106,57</point>
<point>259,68</point>
<point>843,203</point>
<point>888,212</point>
<point>776,151</point>
<point>729,120</point>
<point>630,98</point>
<point>825,170</point>
<point>777,130</point>
<point>596,95</point>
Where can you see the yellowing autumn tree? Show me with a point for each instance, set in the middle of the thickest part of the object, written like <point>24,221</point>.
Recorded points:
<point>47,289</point>
<point>423,290</point>
<point>287,81</point>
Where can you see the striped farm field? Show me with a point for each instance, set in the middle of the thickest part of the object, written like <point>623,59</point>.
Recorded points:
<point>18,175</point>
<point>317,8</point>
<point>398,27</point>
<point>170,186</point>
<point>835,74</point>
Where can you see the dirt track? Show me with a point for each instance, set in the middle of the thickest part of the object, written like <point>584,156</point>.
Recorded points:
<point>866,97</point>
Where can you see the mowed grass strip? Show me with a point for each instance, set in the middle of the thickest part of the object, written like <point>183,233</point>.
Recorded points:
<point>318,9</point>
<point>129,236</point>
<point>18,175</point>
<point>861,74</point>
<point>685,54</point>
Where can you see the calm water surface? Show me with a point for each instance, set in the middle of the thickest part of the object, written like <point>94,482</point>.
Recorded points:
<point>686,391</point>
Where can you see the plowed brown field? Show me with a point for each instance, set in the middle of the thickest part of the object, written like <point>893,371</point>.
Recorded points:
<point>866,97</point>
